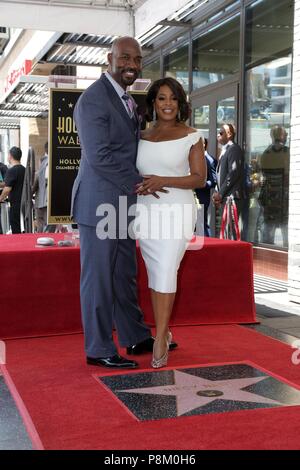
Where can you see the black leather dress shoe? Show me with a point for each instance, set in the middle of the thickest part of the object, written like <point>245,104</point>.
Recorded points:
<point>115,362</point>
<point>146,346</point>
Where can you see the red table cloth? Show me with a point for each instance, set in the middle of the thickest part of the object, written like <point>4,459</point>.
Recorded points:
<point>40,286</point>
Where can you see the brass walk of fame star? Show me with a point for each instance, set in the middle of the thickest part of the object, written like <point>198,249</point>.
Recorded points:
<point>193,392</point>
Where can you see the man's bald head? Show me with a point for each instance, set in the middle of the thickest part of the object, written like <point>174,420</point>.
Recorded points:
<point>125,61</point>
<point>120,41</point>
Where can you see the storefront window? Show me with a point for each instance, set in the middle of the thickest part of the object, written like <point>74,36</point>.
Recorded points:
<point>268,152</point>
<point>201,117</point>
<point>216,53</point>
<point>269,30</point>
<point>269,39</point>
<point>152,71</point>
<point>176,66</point>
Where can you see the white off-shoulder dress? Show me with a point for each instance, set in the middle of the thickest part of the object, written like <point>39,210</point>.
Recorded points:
<point>165,226</point>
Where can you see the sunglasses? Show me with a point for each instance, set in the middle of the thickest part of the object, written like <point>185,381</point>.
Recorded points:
<point>221,132</point>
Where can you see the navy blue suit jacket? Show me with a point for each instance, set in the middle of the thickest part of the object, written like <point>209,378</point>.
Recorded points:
<point>203,194</point>
<point>108,139</point>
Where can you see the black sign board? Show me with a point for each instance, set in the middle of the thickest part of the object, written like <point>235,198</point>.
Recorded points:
<point>64,154</point>
<point>64,150</point>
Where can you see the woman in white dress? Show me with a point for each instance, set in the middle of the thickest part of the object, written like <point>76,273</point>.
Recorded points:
<point>171,160</point>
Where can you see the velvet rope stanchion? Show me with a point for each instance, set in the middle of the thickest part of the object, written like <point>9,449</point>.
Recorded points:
<point>230,218</point>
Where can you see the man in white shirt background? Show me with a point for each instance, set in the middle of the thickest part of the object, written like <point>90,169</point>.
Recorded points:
<point>230,170</point>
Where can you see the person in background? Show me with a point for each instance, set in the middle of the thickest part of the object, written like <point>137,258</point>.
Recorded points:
<point>274,195</point>
<point>3,170</point>
<point>230,170</point>
<point>204,194</point>
<point>13,185</point>
<point>40,187</point>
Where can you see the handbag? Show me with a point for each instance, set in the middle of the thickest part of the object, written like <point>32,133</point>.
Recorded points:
<point>230,221</point>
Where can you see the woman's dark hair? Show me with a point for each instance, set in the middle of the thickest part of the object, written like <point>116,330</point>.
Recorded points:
<point>178,91</point>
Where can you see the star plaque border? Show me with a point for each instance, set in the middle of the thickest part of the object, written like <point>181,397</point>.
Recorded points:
<point>199,390</point>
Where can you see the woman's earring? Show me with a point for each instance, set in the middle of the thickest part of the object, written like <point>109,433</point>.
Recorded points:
<point>154,115</point>
<point>179,115</point>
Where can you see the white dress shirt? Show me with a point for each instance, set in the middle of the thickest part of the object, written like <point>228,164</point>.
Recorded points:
<point>120,91</point>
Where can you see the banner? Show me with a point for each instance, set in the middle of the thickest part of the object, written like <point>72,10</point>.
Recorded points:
<point>64,154</point>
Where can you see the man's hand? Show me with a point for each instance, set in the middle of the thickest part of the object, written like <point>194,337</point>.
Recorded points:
<point>217,200</point>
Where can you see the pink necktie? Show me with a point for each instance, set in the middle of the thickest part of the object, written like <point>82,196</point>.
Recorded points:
<point>129,105</point>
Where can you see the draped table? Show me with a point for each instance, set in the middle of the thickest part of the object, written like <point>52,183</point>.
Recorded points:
<point>40,286</point>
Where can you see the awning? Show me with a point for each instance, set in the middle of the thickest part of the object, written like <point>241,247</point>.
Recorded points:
<point>82,16</point>
<point>27,98</point>
<point>91,4</point>
<point>79,49</point>
<point>9,123</point>
<point>4,38</point>
<point>180,18</point>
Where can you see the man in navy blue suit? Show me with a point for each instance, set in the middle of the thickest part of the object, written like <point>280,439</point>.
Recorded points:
<point>108,129</point>
<point>204,194</point>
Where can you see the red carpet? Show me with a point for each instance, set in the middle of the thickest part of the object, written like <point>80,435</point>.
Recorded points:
<point>40,289</point>
<point>70,410</point>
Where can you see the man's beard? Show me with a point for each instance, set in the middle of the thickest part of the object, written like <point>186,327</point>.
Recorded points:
<point>127,80</point>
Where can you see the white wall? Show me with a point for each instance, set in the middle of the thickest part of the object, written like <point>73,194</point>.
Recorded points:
<point>66,19</point>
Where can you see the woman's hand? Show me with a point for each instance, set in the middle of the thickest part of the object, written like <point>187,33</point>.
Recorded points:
<point>151,185</point>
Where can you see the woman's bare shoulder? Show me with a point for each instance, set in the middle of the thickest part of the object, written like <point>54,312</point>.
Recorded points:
<point>191,130</point>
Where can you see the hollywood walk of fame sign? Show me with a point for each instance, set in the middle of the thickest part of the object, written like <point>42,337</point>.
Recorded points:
<point>64,154</point>
<point>65,151</point>
<point>200,390</point>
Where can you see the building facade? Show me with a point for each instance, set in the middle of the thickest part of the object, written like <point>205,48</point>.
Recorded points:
<point>235,61</point>
<point>238,61</point>
<point>294,190</point>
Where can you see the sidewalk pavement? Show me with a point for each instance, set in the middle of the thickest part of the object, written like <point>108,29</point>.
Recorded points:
<point>278,317</point>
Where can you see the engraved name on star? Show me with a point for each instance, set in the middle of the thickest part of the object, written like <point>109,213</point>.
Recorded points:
<point>192,392</point>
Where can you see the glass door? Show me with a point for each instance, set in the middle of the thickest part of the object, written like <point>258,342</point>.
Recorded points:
<point>211,109</point>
